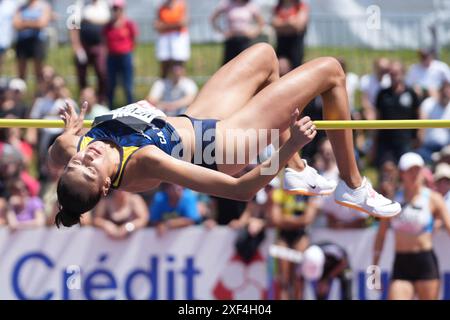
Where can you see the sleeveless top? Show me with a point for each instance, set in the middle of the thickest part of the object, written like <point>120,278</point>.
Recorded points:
<point>416,217</point>
<point>131,128</point>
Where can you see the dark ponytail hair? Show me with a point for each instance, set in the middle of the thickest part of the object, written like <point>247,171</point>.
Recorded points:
<point>72,204</point>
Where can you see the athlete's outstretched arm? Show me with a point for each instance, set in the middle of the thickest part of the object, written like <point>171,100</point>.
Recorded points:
<point>65,146</point>
<point>169,169</point>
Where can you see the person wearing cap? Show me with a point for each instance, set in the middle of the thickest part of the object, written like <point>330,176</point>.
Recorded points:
<point>120,35</point>
<point>442,180</point>
<point>13,105</point>
<point>442,156</point>
<point>415,271</point>
<point>323,262</point>
<point>427,76</point>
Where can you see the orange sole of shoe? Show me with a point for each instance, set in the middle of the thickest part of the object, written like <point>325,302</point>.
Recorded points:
<point>363,210</point>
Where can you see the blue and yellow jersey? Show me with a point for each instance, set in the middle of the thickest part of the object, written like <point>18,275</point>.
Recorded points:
<point>130,133</point>
<point>290,204</point>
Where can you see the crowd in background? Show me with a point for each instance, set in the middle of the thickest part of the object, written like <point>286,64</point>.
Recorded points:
<point>106,41</point>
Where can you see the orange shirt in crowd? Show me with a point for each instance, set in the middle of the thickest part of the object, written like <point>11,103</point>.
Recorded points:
<point>173,14</point>
<point>285,13</point>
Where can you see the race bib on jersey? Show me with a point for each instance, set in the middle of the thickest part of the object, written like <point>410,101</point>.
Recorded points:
<point>137,116</point>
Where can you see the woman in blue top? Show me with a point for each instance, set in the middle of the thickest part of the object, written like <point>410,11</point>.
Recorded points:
<point>30,21</point>
<point>239,111</point>
<point>415,268</point>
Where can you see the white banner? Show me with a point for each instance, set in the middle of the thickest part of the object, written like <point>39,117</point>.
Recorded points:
<point>193,263</point>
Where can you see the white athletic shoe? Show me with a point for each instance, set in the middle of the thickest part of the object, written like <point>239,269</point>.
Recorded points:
<point>366,199</point>
<point>307,182</point>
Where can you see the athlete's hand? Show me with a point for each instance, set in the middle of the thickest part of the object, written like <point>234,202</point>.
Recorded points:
<point>73,122</point>
<point>303,131</point>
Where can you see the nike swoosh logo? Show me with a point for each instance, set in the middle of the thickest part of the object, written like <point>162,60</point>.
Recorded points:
<point>385,205</point>
<point>311,186</point>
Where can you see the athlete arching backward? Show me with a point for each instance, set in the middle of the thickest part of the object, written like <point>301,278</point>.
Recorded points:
<point>126,148</point>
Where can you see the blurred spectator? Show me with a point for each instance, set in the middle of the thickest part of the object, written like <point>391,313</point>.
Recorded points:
<point>49,196</point>
<point>47,107</point>
<point>244,23</point>
<point>121,214</point>
<point>173,207</point>
<point>371,84</point>
<point>291,218</point>
<point>352,84</point>
<point>324,262</point>
<point>12,168</point>
<point>394,103</point>
<point>94,109</point>
<point>44,86</point>
<point>7,11</point>
<point>284,66</point>
<point>389,179</point>
<point>13,103</point>
<point>252,223</point>
<point>427,76</point>
<point>228,210</point>
<point>434,139</point>
<point>30,21</point>
<point>442,156</point>
<point>290,21</point>
<point>24,211</point>
<point>88,46</point>
<point>175,93</point>
<point>205,208</point>
<point>14,137</point>
<point>3,89</point>
<point>337,216</point>
<point>313,110</point>
<point>3,210</point>
<point>120,34</point>
<point>173,43</point>
<point>442,179</point>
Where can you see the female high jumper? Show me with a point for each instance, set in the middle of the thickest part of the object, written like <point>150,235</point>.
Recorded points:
<point>137,147</point>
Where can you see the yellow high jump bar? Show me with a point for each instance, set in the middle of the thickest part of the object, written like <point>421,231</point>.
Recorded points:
<point>321,125</point>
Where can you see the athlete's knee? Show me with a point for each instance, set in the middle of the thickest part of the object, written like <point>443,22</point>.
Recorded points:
<point>333,69</point>
<point>267,56</point>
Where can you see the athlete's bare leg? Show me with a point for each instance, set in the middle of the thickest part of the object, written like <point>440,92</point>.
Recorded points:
<point>272,107</point>
<point>401,290</point>
<point>232,87</point>
<point>427,289</point>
